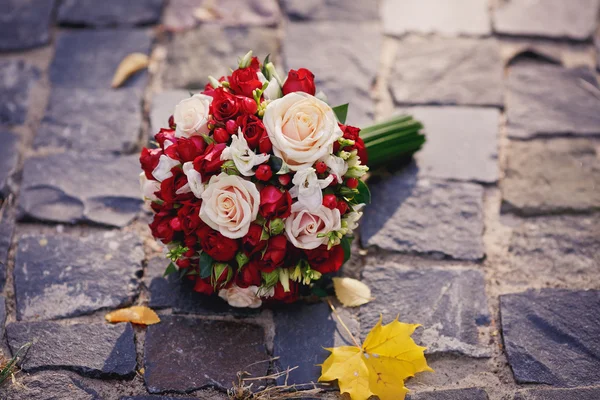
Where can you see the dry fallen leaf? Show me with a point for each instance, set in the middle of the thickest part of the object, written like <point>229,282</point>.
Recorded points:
<point>350,292</point>
<point>379,367</point>
<point>131,64</point>
<point>136,314</point>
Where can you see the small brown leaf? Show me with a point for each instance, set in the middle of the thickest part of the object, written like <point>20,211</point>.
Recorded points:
<point>350,292</point>
<point>137,314</point>
<point>131,64</point>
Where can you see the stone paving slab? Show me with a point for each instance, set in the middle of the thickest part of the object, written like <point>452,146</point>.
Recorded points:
<point>559,394</point>
<point>184,354</point>
<point>2,320</point>
<point>60,276</point>
<point>7,226</point>
<point>302,332</point>
<point>16,80</point>
<point>89,58</point>
<point>533,108</point>
<point>551,336</point>
<point>410,215</point>
<point>457,17</point>
<point>574,19</point>
<point>457,394</point>
<point>332,10</point>
<point>25,24</point>
<point>212,50</point>
<point>450,71</point>
<point>48,385</point>
<point>185,14</point>
<point>462,143</point>
<point>352,50</point>
<point>533,185</point>
<point>76,120</point>
<point>563,250</point>
<point>91,349</point>
<point>54,189</point>
<point>109,12</point>
<point>163,398</point>
<point>173,292</point>
<point>450,304</point>
<point>9,156</point>
<point>162,107</point>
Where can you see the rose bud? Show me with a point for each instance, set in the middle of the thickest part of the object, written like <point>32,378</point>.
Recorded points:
<point>330,201</point>
<point>342,206</point>
<point>203,286</point>
<point>248,105</point>
<point>231,126</point>
<point>183,263</point>
<point>284,180</point>
<point>172,122</point>
<point>220,135</point>
<point>176,224</point>
<point>301,80</point>
<point>264,144</point>
<point>352,183</point>
<point>264,173</point>
<point>321,167</point>
<point>276,226</point>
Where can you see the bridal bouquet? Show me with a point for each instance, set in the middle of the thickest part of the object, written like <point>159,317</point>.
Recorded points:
<point>256,183</point>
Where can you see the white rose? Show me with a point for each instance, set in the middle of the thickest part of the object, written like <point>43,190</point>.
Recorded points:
<point>164,167</point>
<point>243,157</point>
<point>308,188</point>
<point>229,205</point>
<point>241,297</point>
<point>191,115</point>
<point>303,227</point>
<point>302,129</point>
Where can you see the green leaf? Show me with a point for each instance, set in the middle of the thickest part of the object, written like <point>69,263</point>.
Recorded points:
<point>319,292</point>
<point>346,243</point>
<point>341,112</point>
<point>206,263</point>
<point>264,67</point>
<point>364,194</point>
<point>170,270</point>
<point>271,278</point>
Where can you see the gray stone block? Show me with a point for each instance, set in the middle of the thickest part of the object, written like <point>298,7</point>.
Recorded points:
<point>451,304</point>
<point>9,156</point>
<point>25,24</point>
<point>16,80</point>
<point>109,12</point>
<point>551,336</point>
<point>62,276</point>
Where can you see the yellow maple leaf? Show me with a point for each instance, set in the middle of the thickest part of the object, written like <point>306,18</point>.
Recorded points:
<point>379,367</point>
<point>137,314</point>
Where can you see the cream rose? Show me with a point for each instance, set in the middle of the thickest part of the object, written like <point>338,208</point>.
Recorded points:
<point>241,297</point>
<point>303,227</point>
<point>191,115</point>
<point>302,129</point>
<point>229,204</point>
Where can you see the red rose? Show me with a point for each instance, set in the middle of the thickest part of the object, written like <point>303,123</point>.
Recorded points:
<point>243,81</point>
<point>163,135</point>
<point>274,203</point>
<point>252,128</point>
<point>224,105</point>
<point>326,261</point>
<point>362,151</point>
<point>264,144</point>
<point>161,227</point>
<point>203,286</point>
<point>352,133</point>
<point>286,297</point>
<point>299,81</point>
<point>186,149</point>
<point>209,90</point>
<point>275,253</point>
<point>217,246</point>
<point>190,219</point>
<point>249,275</point>
<point>210,162</point>
<point>169,187</point>
<point>149,160</point>
<point>251,243</point>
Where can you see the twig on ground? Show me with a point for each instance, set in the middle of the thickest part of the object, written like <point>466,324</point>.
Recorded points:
<point>6,369</point>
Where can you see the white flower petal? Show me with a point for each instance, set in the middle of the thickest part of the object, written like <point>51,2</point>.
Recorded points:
<point>164,167</point>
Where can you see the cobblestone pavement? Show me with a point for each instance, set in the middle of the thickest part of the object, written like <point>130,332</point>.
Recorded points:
<point>490,239</point>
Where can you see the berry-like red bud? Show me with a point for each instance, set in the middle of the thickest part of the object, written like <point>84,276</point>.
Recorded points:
<point>231,126</point>
<point>342,206</point>
<point>321,167</point>
<point>284,180</point>
<point>352,183</point>
<point>172,122</point>
<point>330,201</point>
<point>264,173</point>
<point>220,135</point>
